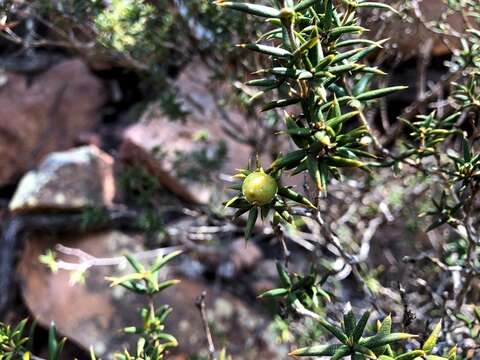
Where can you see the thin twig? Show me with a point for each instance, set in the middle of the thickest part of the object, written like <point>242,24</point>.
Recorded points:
<point>86,261</point>
<point>200,304</point>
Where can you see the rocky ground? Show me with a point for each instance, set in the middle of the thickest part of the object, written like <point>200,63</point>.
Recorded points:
<point>58,149</point>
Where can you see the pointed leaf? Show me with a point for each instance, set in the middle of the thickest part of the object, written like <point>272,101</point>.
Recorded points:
<point>312,165</point>
<point>135,263</point>
<point>283,275</point>
<point>293,195</point>
<point>253,9</point>
<point>372,4</point>
<point>341,30</point>
<point>380,340</point>
<point>385,329</point>
<point>341,119</point>
<point>452,353</point>
<point>273,293</point>
<point>52,342</point>
<point>268,50</point>
<point>317,350</point>
<point>349,322</point>
<point>432,339</point>
<point>411,355</point>
<point>341,352</point>
<point>303,5</point>
<point>288,161</point>
<point>252,218</point>
<point>335,331</point>
<point>280,103</point>
<point>163,260</point>
<point>374,94</point>
<point>360,327</point>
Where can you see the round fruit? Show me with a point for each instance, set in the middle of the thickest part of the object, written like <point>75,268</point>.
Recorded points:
<point>259,188</point>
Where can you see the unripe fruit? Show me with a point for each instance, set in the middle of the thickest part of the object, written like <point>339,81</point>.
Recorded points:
<point>259,188</point>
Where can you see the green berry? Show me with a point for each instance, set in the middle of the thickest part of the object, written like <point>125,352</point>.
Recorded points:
<point>259,188</point>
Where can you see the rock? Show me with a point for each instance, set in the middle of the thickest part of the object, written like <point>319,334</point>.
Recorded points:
<point>410,38</point>
<point>244,255</point>
<point>266,277</point>
<point>45,113</point>
<point>240,256</point>
<point>91,313</point>
<point>260,286</point>
<point>183,154</point>
<point>69,180</point>
<point>167,139</point>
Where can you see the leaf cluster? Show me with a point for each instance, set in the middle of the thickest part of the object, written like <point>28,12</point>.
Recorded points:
<point>153,340</point>
<point>15,343</point>
<point>316,57</point>
<point>355,343</point>
<point>295,288</point>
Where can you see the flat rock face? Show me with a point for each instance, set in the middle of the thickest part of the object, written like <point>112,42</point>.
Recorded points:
<point>156,145</point>
<point>45,113</point>
<point>91,314</point>
<point>68,180</point>
<point>176,151</point>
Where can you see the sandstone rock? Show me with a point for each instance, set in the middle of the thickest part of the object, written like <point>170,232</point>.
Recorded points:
<point>410,38</point>
<point>173,150</point>
<point>167,138</point>
<point>68,180</point>
<point>266,276</point>
<point>91,313</point>
<point>245,254</point>
<point>45,113</point>
<point>238,257</point>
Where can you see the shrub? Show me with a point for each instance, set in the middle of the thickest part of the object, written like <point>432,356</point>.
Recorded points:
<point>319,80</point>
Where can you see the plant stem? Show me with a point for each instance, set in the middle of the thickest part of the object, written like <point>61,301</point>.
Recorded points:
<point>200,304</point>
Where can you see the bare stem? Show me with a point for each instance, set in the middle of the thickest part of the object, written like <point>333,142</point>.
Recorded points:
<point>200,304</point>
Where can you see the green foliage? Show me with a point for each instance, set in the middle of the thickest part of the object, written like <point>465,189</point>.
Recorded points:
<point>472,321</point>
<point>429,131</point>
<point>353,342</point>
<point>315,67</point>
<point>356,344</point>
<point>153,340</point>
<point>202,162</point>
<point>15,344</point>
<point>138,183</point>
<point>93,216</point>
<point>12,340</point>
<point>318,73</point>
<point>295,288</point>
<point>55,347</point>
<point>145,281</point>
<point>154,39</point>
<point>315,75</point>
<point>278,199</point>
<point>125,26</point>
<point>141,188</point>
<point>141,34</point>
<point>50,260</point>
